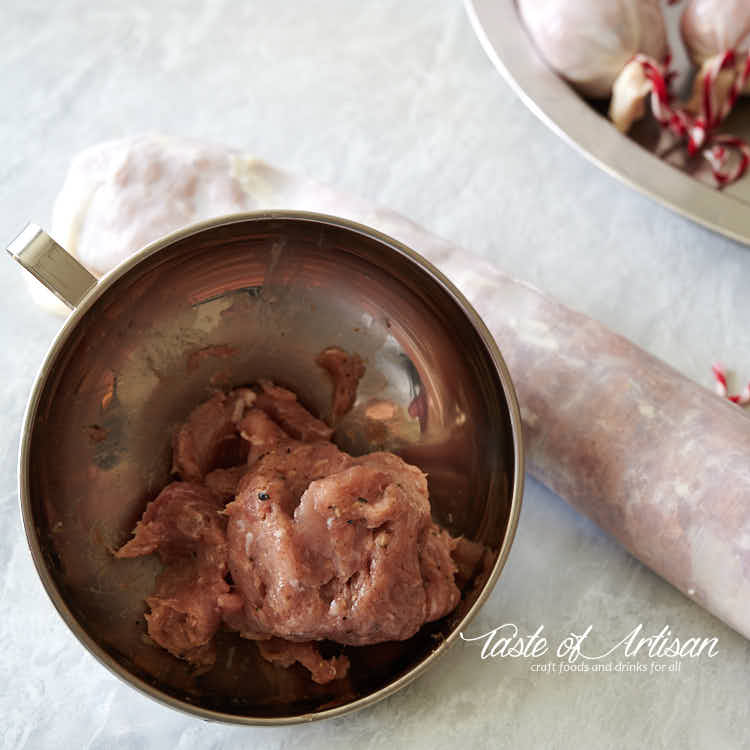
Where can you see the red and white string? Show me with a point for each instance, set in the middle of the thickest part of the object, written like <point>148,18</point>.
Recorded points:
<point>697,130</point>
<point>721,388</point>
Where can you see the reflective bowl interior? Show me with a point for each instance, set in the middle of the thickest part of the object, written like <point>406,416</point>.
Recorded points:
<point>224,306</point>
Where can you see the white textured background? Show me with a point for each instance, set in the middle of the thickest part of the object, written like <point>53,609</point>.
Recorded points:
<point>396,102</point>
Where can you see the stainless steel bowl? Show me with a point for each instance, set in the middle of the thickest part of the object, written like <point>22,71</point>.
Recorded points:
<point>270,290</point>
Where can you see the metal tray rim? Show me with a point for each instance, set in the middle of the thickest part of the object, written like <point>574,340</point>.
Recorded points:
<point>553,101</point>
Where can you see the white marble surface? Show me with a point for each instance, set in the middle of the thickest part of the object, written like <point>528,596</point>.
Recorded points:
<point>395,102</point>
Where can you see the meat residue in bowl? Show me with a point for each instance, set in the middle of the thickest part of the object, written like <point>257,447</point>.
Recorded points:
<point>345,371</point>
<point>273,532</point>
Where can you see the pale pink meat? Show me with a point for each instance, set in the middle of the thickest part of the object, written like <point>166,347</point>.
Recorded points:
<point>184,517</point>
<point>184,524</point>
<point>295,464</point>
<point>281,652</point>
<point>345,371</point>
<point>185,614</point>
<point>320,545</point>
<point>282,406</point>
<point>355,561</point>
<point>438,572</point>
<point>223,482</point>
<point>285,653</point>
<point>261,433</point>
<point>209,436</point>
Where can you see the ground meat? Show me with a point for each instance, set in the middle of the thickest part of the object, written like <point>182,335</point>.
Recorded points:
<point>470,557</point>
<point>345,371</point>
<point>282,406</point>
<point>285,653</point>
<point>438,572</point>
<point>223,482</point>
<point>320,545</point>
<point>186,526</point>
<point>292,466</point>
<point>209,436</point>
<point>261,433</point>
<point>184,519</point>
<point>185,614</point>
<point>357,560</point>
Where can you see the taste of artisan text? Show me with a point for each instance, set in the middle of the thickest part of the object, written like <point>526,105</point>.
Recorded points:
<point>505,641</point>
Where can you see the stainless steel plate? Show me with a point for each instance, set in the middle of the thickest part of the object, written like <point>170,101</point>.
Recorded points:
<point>633,159</point>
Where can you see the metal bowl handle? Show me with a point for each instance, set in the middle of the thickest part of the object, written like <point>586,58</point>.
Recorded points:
<point>57,269</point>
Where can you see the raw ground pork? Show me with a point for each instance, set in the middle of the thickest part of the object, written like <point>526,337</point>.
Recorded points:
<point>277,534</point>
